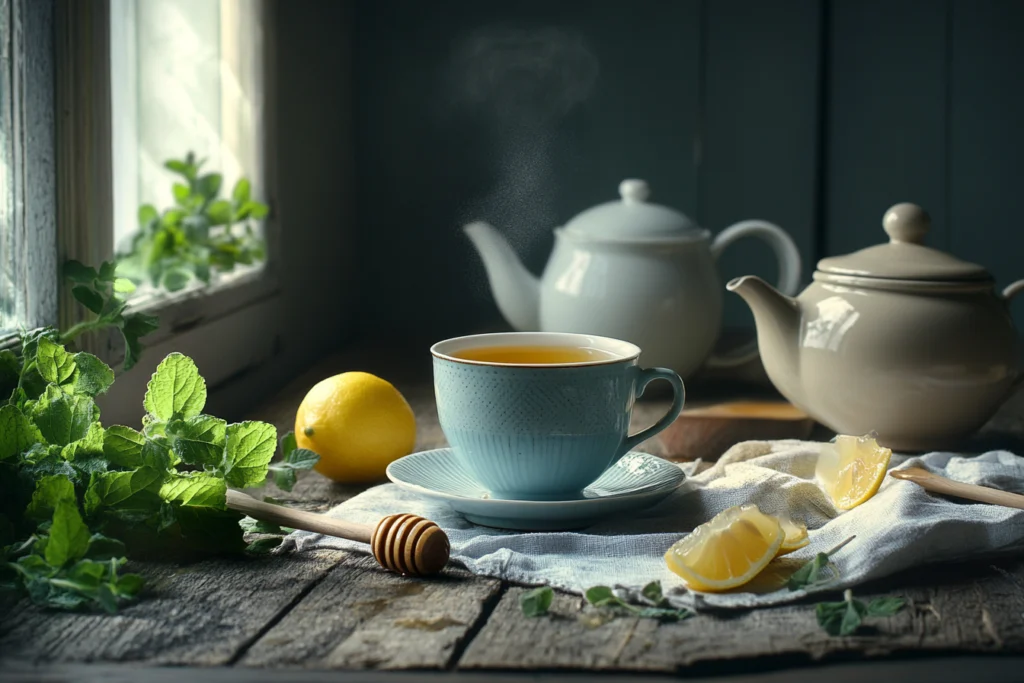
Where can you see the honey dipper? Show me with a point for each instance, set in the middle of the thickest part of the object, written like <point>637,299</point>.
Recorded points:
<point>406,544</point>
<point>936,483</point>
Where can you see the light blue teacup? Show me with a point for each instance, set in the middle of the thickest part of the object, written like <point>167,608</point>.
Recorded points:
<point>542,431</point>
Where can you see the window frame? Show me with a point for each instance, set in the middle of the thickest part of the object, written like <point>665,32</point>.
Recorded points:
<point>85,173</point>
<point>27,150</point>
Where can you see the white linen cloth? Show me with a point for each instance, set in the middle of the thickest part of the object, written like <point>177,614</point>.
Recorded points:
<point>902,526</point>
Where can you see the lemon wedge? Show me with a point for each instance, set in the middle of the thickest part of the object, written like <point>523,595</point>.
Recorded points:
<point>851,470</point>
<point>795,536</point>
<point>727,551</point>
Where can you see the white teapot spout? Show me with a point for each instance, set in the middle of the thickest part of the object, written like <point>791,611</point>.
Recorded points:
<point>516,290</point>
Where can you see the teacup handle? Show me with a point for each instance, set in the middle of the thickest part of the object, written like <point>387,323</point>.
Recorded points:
<point>648,375</point>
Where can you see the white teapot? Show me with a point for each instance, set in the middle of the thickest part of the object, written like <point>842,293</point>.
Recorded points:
<point>632,270</point>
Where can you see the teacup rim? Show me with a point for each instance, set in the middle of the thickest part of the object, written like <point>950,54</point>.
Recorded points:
<point>629,351</point>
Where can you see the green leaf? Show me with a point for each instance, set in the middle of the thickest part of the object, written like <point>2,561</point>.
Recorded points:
<point>220,212</point>
<point>122,446</point>
<point>250,446</point>
<point>302,459</point>
<point>535,603</point>
<point>600,595</point>
<point>288,444</point>
<point>88,297</point>
<point>50,491</point>
<point>181,193</point>
<point>108,269</point>
<point>258,526</point>
<point>176,389</point>
<point>199,440</point>
<point>129,585</point>
<point>257,210</point>
<point>175,279</point>
<point>809,573</point>
<point>89,446</point>
<point>841,618</point>
<point>241,192</point>
<point>76,271</point>
<point>118,489</point>
<point>63,418</point>
<point>180,167</point>
<point>262,546</point>
<point>102,548</point>
<point>147,214</point>
<point>652,592</point>
<point>10,371</point>
<point>123,285</point>
<point>17,432</point>
<point>209,185</point>
<point>133,328</point>
<point>92,376</point>
<point>285,479</point>
<point>885,607</point>
<point>54,363</point>
<point>197,489</point>
<point>157,453</point>
<point>69,537</point>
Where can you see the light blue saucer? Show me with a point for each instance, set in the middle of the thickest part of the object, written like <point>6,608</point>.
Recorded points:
<point>636,481</point>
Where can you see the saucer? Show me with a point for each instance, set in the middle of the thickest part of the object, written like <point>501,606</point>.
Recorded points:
<point>636,481</point>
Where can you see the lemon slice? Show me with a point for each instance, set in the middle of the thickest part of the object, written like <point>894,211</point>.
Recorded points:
<point>852,469</point>
<point>796,536</point>
<point>728,551</point>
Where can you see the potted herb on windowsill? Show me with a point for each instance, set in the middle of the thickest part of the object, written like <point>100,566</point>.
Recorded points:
<point>198,239</point>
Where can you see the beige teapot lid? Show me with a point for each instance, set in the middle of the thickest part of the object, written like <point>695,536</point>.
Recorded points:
<point>905,257</point>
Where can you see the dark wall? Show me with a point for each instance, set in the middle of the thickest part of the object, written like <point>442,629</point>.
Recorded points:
<point>813,114</point>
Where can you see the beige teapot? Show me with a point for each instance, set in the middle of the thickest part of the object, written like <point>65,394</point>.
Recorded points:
<point>899,338</point>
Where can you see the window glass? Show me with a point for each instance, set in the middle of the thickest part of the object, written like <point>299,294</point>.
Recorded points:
<point>186,82</point>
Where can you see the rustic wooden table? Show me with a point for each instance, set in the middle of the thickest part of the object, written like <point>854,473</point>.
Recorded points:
<point>288,616</point>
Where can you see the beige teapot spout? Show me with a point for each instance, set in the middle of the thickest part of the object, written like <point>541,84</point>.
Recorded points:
<point>777,318</point>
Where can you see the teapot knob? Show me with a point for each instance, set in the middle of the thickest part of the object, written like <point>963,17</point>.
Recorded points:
<point>906,222</point>
<point>634,191</point>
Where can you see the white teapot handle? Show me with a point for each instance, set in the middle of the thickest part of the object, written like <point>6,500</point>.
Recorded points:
<point>789,275</point>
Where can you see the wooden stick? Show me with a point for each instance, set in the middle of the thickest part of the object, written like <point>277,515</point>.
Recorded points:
<point>407,544</point>
<point>939,484</point>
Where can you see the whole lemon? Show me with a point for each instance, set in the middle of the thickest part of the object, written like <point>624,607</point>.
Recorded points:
<point>358,424</point>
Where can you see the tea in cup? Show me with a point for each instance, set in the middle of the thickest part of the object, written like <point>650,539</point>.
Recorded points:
<point>541,415</point>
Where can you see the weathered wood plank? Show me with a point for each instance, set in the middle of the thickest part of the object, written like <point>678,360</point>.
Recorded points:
<point>199,614</point>
<point>955,608</point>
<point>362,617</point>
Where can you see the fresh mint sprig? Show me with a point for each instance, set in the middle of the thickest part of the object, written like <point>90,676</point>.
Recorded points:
<point>105,295</point>
<point>813,572</point>
<point>604,597</point>
<point>844,618</point>
<point>76,498</point>
<point>201,234</point>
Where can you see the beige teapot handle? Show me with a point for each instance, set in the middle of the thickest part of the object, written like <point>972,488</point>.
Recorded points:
<point>789,275</point>
<point>1013,289</point>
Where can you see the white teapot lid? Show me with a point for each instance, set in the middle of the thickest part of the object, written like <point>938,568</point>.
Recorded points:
<point>904,257</point>
<point>632,217</point>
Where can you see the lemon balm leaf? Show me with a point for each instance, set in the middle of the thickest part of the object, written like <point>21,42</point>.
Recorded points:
<point>92,376</point>
<point>196,490</point>
<point>109,489</point>
<point>176,389</point>
<point>50,491</point>
<point>536,602</point>
<point>122,446</point>
<point>55,365</point>
<point>250,446</point>
<point>199,440</point>
<point>69,537</point>
<point>17,432</point>
<point>63,418</point>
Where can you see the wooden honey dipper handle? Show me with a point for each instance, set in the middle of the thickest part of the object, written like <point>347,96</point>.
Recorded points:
<point>939,484</point>
<point>407,544</point>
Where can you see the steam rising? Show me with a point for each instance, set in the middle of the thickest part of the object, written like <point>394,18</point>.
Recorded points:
<point>520,83</point>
